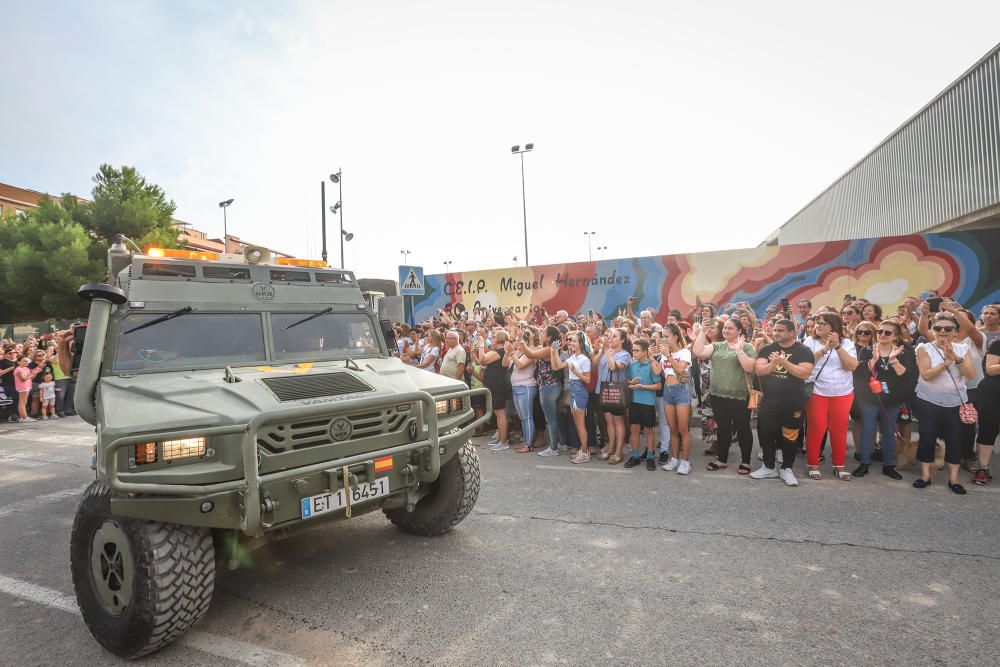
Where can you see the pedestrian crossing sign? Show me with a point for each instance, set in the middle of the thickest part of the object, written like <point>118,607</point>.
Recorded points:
<point>411,280</point>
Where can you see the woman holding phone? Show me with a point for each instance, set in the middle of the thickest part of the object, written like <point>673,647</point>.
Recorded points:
<point>579,365</point>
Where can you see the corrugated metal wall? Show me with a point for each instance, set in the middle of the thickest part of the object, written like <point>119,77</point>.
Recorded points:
<point>942,164</point>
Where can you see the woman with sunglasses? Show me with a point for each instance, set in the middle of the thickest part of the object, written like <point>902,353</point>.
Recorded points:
<point>891,367</point>
<point>864,339</point>
<point>850,316</point>
<point>944,366</point>
<point>829,407</point>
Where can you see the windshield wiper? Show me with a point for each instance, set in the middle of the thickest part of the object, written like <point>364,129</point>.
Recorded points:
<point>169,316</point>
<point>310,317</point>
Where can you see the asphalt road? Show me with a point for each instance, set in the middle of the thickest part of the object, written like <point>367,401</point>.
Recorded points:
<point>558,564</point>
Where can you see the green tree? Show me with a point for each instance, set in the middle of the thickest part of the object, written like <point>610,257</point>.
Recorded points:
<point>124,202</point>
<point>44,258</point>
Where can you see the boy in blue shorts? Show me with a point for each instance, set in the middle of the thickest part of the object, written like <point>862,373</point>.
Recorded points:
<point>642,411</point>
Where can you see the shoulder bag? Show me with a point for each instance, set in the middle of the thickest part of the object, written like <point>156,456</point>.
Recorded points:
<point>810,385</point>
<point>966,411</point>
<point>614,395</point>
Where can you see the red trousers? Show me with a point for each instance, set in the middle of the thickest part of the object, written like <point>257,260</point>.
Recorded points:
<point>823,414</point>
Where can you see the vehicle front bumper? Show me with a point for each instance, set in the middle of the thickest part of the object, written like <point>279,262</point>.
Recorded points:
<point>258,502</point>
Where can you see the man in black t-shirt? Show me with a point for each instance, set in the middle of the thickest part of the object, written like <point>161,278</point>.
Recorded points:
<point>783,368</point>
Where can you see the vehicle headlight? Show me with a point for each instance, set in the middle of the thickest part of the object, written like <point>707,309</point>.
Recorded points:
<point>145,453</point>
<point>441,407</point>
<point>456,404</point>
<point>183,448</point>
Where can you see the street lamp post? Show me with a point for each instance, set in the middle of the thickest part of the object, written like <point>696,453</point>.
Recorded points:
<point>447,263</point>
<point>225,224</point>
<point>405,254</point>
<point>517,150</point>
<point>602,249</point>
<point>589,235</point>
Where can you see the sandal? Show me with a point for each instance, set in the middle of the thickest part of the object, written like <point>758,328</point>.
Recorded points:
<point>614,459</point>
<point>716,465</point>
<point>744,469</point>
<point>604,456</point>
<point>524,449</point>
<point>814,473</point>
<point>842,474</point>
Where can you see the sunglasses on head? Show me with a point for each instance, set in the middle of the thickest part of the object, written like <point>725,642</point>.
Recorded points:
<point>941,329</point>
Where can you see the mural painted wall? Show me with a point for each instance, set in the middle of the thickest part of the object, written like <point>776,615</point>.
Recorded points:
<point>962,265</point>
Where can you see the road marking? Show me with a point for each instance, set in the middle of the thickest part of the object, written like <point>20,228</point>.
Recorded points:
<point>223,647</point>
<point>31,503</point>
<point>584,469</point>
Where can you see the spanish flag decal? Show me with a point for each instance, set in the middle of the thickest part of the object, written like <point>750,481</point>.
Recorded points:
<point>383,464</point>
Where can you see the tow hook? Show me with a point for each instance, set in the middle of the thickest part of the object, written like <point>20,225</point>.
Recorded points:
<point>409,474</point>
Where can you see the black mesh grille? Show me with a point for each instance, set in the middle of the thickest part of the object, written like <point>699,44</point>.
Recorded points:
<point>297,388</point>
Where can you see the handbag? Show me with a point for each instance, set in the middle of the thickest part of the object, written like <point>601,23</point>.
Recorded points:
<point>614,395</point>
<point>755,395</point>
<point>810,385</point>
<point>966,411</point>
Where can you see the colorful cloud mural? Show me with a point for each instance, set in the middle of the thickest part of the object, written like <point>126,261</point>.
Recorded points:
<point>885,270</point>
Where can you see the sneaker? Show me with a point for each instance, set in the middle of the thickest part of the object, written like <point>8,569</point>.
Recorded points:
<point>495,439</point>
<point>548,451</point>
<point>26,420</point>
<point>779,456</point>
<point>633,461</point>
<point>764,472</point>
<point>581,457</point>
<point>684,468</point>
<point>664,457</point>
<point>563,448</point>
<point>671,465</point>
<point>500,446</point>
<point>788,477</point>
<point>45,417</point>
<point>982,477</point>
<point>56,416</point>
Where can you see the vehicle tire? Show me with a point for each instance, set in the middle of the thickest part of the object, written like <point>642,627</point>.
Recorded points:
<point>449,500</point>
<point>139,584</point>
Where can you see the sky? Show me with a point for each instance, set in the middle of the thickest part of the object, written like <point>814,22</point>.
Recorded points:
<point>663,127</point>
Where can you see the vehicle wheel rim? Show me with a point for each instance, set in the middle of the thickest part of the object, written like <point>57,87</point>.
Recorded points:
<point>112,567</point>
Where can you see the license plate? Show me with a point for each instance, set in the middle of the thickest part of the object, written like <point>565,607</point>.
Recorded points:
<point>333,501</point>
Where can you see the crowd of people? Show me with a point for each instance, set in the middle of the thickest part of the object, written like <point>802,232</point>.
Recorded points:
<point>32,384</point>
<point>627,389</point>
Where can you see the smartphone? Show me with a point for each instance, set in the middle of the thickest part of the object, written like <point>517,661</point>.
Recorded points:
<point>785,305</point>
<point>934,303</point>
<point>555,345</point>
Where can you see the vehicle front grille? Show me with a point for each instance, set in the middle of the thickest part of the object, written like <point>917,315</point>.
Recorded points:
<point>317,431</point>
<point>299,387</point>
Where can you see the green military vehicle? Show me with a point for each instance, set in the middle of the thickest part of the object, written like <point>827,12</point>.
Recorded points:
<point>238,400</point>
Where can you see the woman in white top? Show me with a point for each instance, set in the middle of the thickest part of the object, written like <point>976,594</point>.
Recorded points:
<point>829,408</point>
<point>579,366</point>
<point>431,352</point>
<point>674,365</point>
<point>944,366</point>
